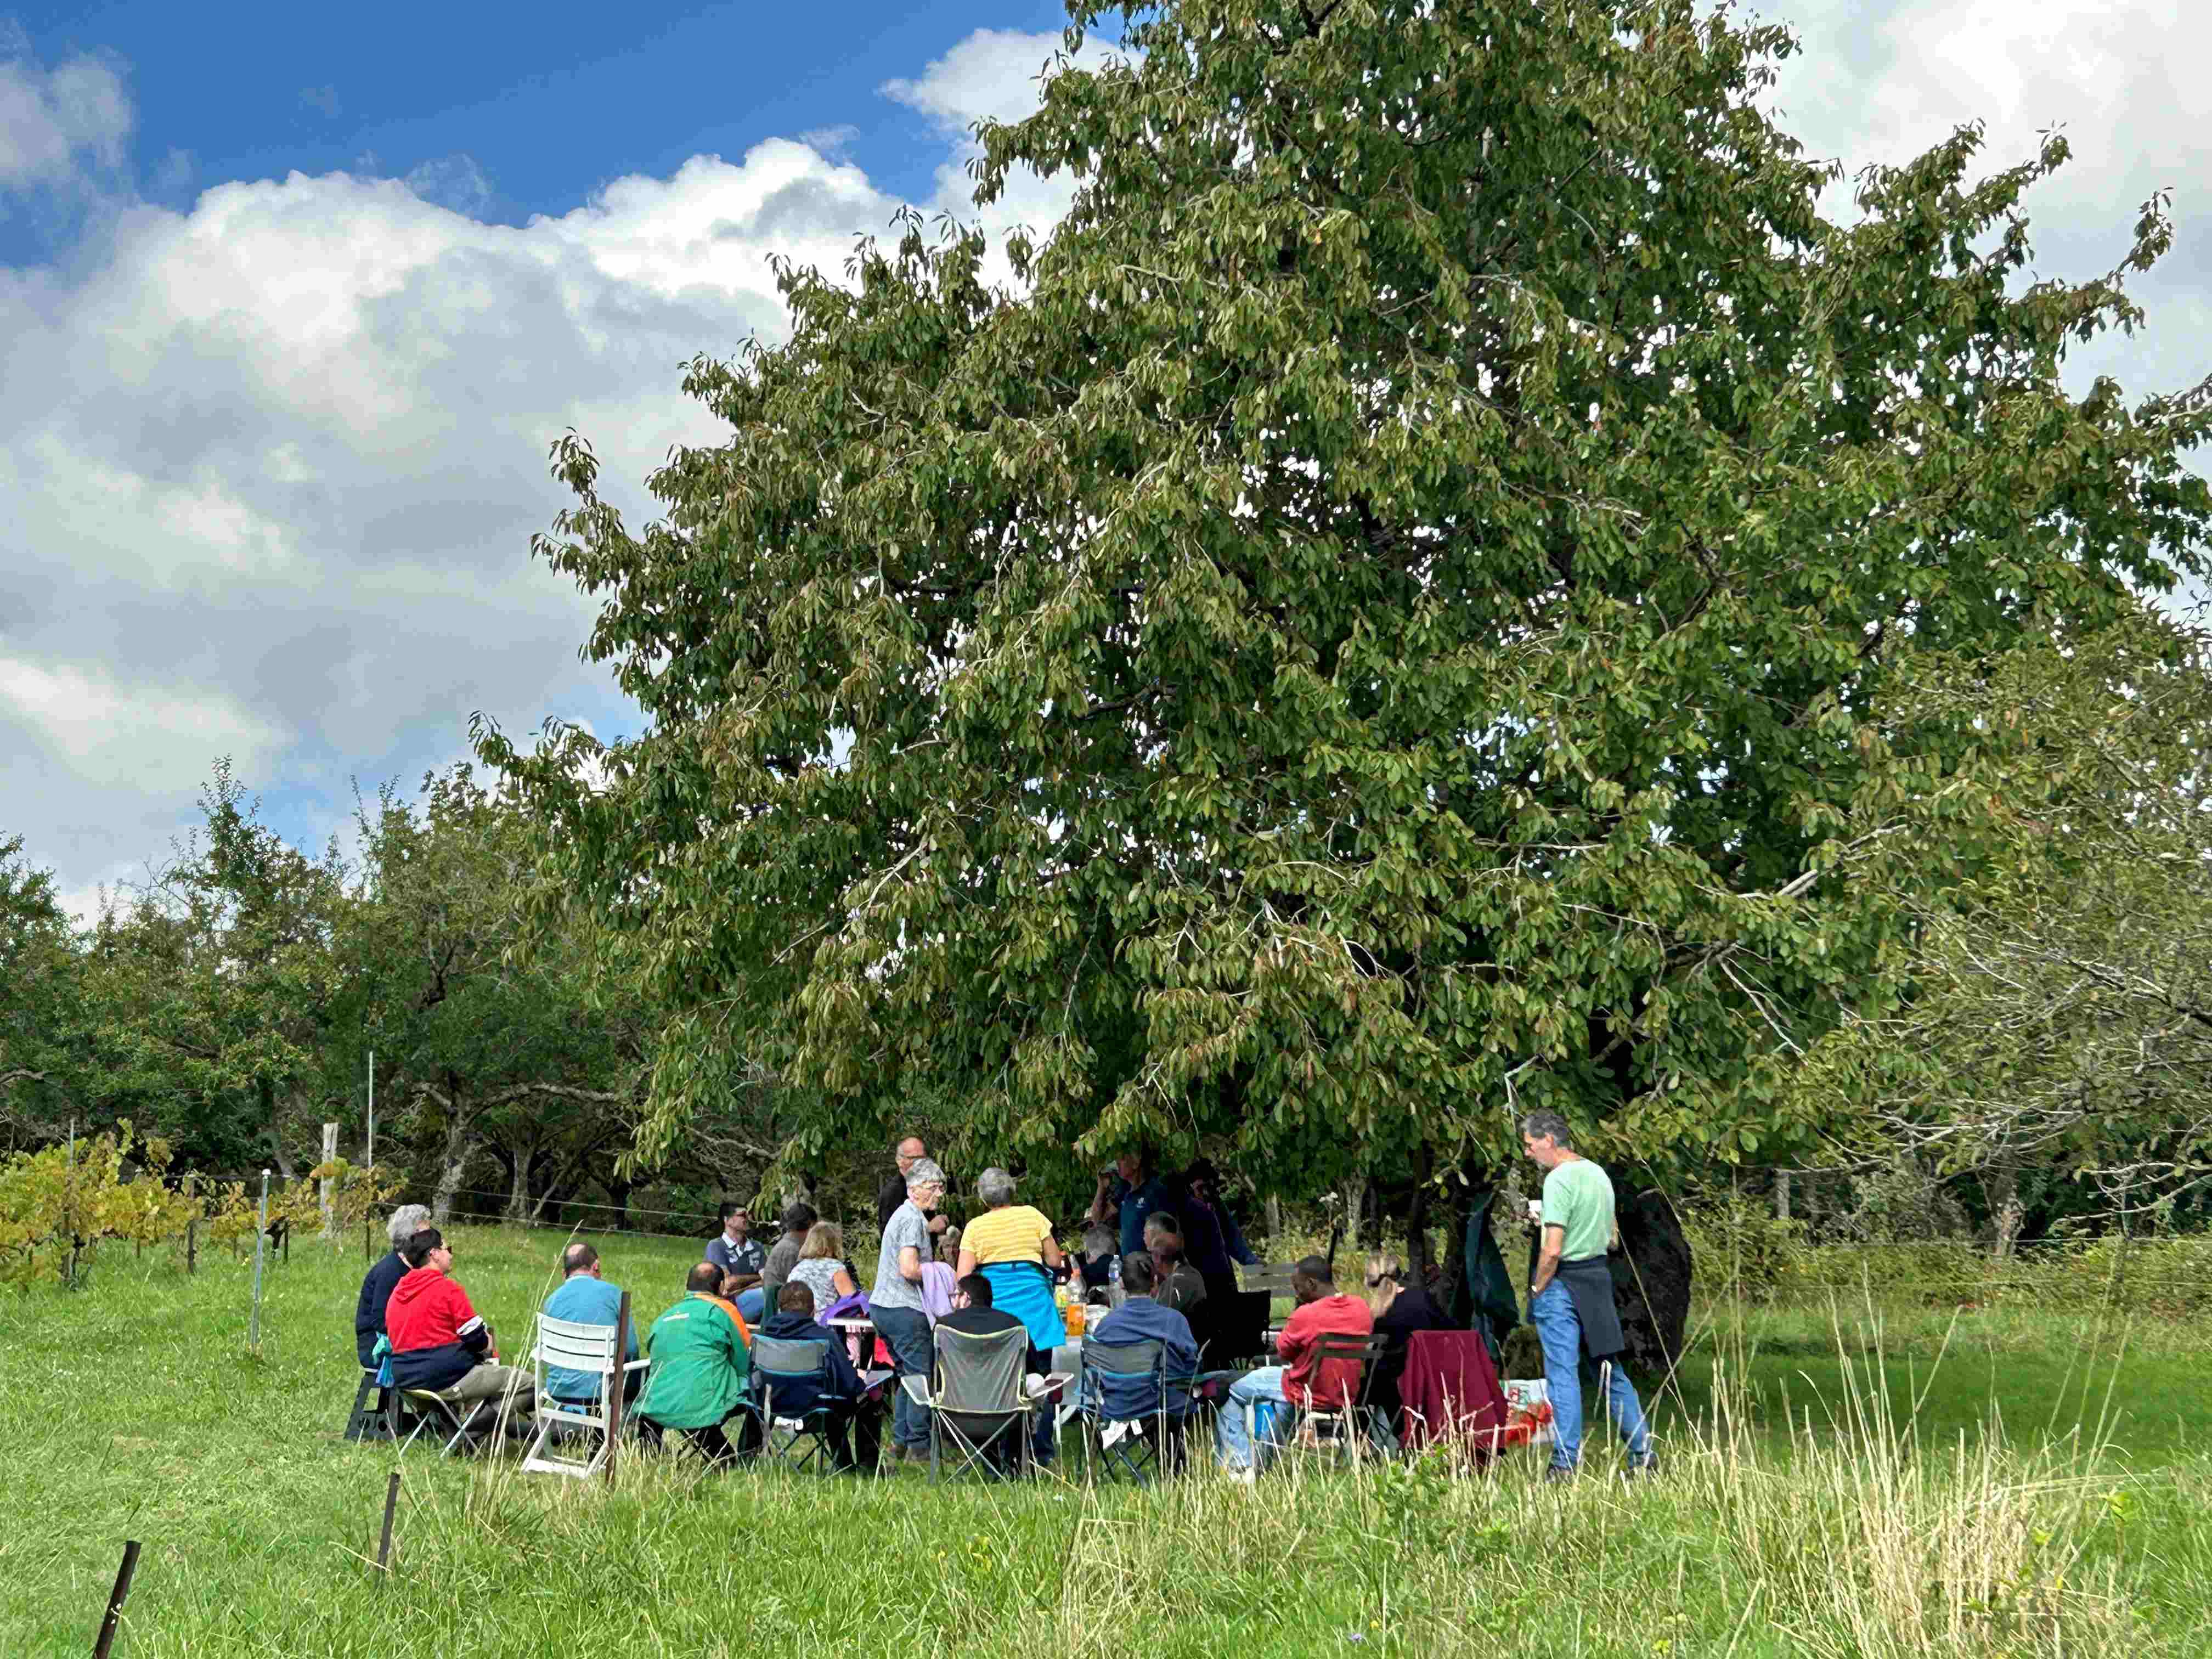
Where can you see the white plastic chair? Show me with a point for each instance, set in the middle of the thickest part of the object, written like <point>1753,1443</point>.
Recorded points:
<point>576,1347</point>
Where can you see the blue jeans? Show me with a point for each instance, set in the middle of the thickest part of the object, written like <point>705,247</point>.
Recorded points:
<point>1552,1313</point>
<point>905,1332</point>
<point>752,1305</point>
<point>1232,1444</point>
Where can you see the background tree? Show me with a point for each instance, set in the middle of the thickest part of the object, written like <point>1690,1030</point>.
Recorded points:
<point>502,1043</point>
<point>43,1016</point>
<point>1381,626</point>
<point>219,985</point>
<point>2059,1017</point>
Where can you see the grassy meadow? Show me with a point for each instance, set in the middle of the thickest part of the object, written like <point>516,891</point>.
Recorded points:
<point>1854,1478</point>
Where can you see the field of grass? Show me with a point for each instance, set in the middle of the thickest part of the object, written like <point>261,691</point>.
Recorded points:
<point>1840,1481</point>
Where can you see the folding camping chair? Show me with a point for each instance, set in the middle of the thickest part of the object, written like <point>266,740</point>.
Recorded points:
<point>1126,1387</point>
<point>379,1421</point>
<point>432,1407</point>
<point>574,1347</point>
<point>800,1372</point>
<point>977,1402</point>
<point>1342,1428</point>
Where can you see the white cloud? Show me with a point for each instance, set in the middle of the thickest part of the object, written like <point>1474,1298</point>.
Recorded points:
<point>53,121</point>
<point>992,75</point>
<point>452,181</point>
<point>272,464</point>
<point>139,737</point>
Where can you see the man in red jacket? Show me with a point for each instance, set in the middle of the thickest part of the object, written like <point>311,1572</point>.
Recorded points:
<point>1303,1378</point>
<point>440,1343</point>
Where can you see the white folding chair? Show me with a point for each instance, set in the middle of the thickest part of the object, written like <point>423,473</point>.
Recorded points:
<point>574,1347</point>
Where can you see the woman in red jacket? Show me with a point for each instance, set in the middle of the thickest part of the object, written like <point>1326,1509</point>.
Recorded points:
<point>440,1342</point>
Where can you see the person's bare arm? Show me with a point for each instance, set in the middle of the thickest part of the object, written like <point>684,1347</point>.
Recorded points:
<point>842,1282</point>
<point>1555,1243</point>
<point>909,1263</point>
<point>966,1265</point>
<point>1100,1211</point>
<point>1051,1245</point>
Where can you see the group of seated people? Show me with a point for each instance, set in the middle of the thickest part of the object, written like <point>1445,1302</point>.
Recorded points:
<point>997,1275</point>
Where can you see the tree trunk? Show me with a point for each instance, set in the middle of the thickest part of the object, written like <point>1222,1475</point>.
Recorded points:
<point>1782,1194</point>
<point>266,1091</point>
<point>2006,1211</point>
<point>1275,1222</point>
<point>618,1191</point>
<point>1417,1236</point>
<point>1651,1279</point>
<point>453,1163</point>
<point>517,1210</point>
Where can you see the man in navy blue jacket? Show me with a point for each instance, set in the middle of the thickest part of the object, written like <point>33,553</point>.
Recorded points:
<point>793,1322</point>
<point>1143,1318</point>
<point>376,1288</point>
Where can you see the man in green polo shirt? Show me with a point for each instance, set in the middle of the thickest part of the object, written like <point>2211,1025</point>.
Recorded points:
<point>1571,1297</point>
<point>701,1370</point>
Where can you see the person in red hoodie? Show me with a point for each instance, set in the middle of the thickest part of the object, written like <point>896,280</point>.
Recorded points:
<point>1303,1378</point>
<point>440,1342</point>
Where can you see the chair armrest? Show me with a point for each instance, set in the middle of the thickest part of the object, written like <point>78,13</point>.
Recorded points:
<point>637,1365</point>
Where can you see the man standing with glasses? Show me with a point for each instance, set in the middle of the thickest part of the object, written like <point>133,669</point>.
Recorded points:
<point>894,1303</point>
<point>441,1343</point>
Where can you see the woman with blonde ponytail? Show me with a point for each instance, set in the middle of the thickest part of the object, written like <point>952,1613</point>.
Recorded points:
<point>1399,1309</point>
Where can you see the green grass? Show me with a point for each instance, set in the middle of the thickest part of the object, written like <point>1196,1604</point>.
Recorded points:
<point>1837,1484</point>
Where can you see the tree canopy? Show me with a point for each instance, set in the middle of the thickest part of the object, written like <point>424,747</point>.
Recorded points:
<point>1379,619</point>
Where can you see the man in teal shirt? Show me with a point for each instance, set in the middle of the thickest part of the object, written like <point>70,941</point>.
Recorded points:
<point>702,1371</point>
<point>585,1297</point>
<point>1571,1297</point>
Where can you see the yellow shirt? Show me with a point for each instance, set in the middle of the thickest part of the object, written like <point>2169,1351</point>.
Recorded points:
<point>1013,1234</point>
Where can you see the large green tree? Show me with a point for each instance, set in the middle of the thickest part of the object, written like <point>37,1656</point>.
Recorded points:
<point>1372,623</point>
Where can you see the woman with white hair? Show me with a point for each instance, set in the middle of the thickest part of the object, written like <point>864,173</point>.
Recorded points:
<point>376,1288</point>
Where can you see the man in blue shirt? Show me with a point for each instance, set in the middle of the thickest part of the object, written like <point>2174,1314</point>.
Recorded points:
<point>1132,1191</point>
<point>585,1297</point>
<point>734,1249</point>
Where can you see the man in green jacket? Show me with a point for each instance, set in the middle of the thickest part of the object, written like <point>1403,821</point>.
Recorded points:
<point>701,1370</point>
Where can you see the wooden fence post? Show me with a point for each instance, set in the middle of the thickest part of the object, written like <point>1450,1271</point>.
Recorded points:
<point>390,1505</point>
<point>115,1599</point>
<point>615,1393</point>
<point>330,1209</point>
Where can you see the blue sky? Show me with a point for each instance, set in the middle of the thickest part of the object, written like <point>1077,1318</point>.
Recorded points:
<point>292,303</point>
<point>549,101</point>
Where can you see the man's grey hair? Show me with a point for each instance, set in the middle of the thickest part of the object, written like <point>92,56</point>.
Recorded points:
<point>995,1186</point>
<point>1540,1125</point>
<point>407,1220</point>
<point>1159,1222</point>
<point>925,1173</point>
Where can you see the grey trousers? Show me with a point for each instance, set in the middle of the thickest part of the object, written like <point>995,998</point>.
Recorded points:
<point>490,1383</point>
